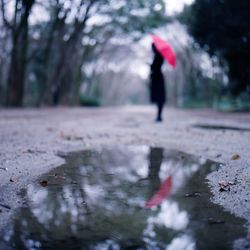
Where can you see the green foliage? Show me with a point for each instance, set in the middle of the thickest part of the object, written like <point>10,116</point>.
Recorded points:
<point>88,101</point>
<point>229,104</point>
<point>222,28</point>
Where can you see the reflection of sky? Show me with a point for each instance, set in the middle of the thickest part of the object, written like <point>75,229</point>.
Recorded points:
<point>170,216</point>
<point>183,242</point>
<point>178,171</point>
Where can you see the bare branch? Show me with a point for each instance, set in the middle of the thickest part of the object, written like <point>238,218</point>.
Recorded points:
<point>7,24</point>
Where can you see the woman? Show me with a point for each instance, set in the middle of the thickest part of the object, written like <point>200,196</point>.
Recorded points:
<point>157,86</point>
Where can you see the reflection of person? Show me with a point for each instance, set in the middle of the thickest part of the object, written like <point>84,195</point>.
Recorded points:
<point>157,86</point>
<point>155,159</point>
<point>160,190</point>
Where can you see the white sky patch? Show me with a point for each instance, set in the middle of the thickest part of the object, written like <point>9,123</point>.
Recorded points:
<point>184,242</point>
<point>175,6</point>
<point>38,15</point>
<point>140,69</point>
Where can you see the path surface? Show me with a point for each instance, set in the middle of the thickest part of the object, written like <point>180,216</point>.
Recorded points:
<point>30,140</point>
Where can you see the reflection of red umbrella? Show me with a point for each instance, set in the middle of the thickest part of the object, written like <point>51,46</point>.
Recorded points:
<point>161,194</point>
<point>165,49</point>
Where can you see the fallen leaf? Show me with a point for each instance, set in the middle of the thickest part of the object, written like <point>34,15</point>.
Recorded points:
<point>59,176</point>
<point>12,180</point>
<point>213,221</point>
<point>224,186</point>
<point>30,151</point>
<point>235,157</point>
<point>70,137</point>
<point>191,195</point>
<point>65,137</point>
<point>44,183</point>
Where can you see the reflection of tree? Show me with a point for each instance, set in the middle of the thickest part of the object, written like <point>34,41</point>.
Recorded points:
<point>94,202</point>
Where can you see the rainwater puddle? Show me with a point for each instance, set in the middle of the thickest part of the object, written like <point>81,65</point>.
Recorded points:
<point>220,127</point>
<point>124,198</point>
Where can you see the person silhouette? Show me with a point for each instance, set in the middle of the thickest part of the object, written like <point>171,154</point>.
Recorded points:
<point>157,85</point>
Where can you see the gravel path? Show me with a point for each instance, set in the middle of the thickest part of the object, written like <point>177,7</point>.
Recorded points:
<point>31,138</point>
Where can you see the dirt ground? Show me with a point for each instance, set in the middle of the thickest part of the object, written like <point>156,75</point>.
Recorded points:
<point>31,138</point>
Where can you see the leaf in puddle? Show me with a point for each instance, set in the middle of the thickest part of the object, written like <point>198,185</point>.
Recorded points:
<point>59,176</point>
<point>44,183</point>
<point>235,157</point>
<point>191,195</point>
<point>213,221</point>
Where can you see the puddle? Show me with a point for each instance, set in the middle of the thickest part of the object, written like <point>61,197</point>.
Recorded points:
<point>124,198</point>
<point>220,127</point>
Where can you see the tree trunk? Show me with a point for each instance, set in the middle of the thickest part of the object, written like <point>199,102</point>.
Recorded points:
<point>18,63</point>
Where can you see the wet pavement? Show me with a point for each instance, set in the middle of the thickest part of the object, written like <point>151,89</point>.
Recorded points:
<point>123,198</point>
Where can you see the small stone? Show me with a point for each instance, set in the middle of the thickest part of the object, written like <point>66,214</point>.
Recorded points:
<point>235,157</point>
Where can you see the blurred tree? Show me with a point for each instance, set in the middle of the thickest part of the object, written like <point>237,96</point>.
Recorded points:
<point>3,62</point>
<point>222,28</point>
<point>48,55</point>
<point>18,27</point>
<point>78,31</point>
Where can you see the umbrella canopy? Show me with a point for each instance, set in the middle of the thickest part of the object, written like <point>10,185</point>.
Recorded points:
<point>161,194</point>
<point>165,50</point>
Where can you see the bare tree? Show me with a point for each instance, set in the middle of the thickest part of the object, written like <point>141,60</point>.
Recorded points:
<point>18,27</point>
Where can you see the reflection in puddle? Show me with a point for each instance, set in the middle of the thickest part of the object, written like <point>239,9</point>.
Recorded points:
<point>124,198</point>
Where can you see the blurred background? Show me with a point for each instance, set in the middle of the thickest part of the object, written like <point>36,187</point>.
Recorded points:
<point>98,52</point>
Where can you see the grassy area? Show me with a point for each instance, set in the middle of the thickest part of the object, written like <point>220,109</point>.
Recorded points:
<point>88,101</point>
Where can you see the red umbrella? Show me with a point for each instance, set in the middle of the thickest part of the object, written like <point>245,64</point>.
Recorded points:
<point>165,50</point>
<point>161,194</point>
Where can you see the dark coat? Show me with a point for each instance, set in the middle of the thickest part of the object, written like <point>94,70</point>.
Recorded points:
<point>157,86</point>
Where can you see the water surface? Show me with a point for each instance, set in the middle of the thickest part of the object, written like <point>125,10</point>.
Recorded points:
<point>124,198</point>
